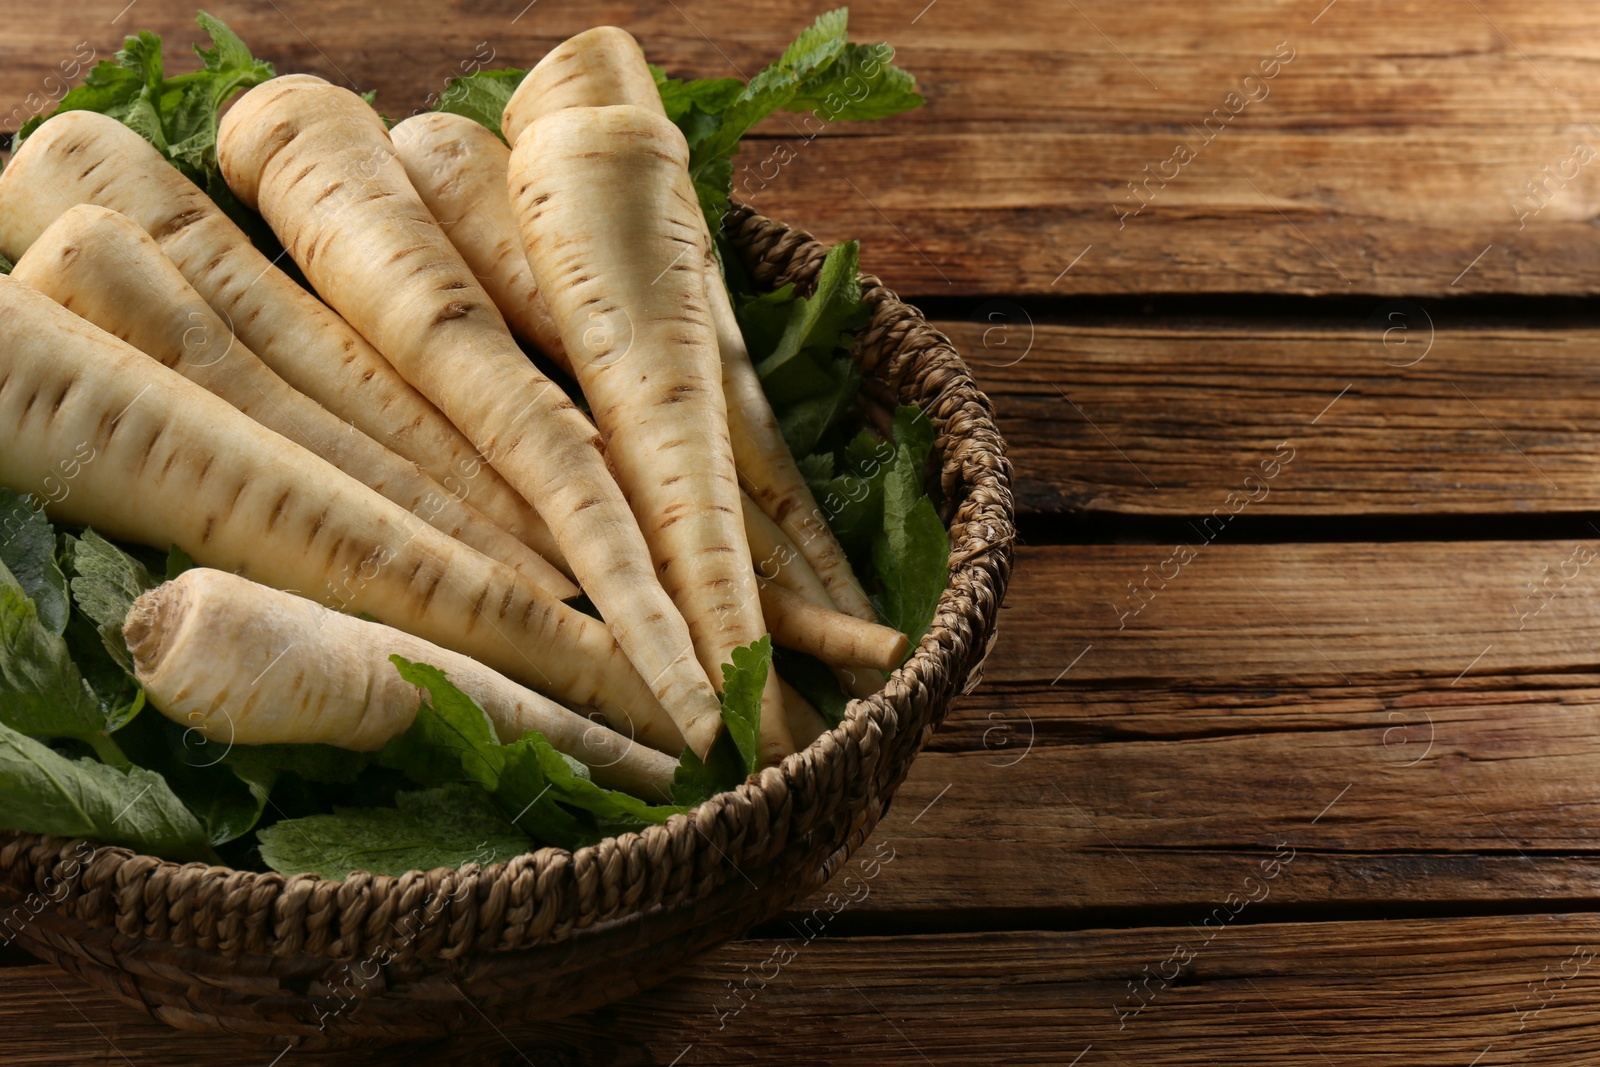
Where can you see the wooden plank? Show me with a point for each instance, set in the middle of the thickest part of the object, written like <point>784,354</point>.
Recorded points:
<point>1400,730</point>
<point>1298,614</point>
<point>1504,989</point>
<point>1421,420</point>
<point>1387,156</point>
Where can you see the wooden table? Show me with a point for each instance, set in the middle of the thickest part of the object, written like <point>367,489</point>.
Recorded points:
<point>1289,752</point>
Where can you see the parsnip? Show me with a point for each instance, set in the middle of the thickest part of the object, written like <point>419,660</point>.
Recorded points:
<point>605,66</point>
<point>459,170</point>
<point>82,157</point>
<point>611,226</point>
<point>106,268</point>
<point>777,560</point>
<point>243,664</point>
<point>110,438</point>
<point>803,626</point>
<point>596,68</point>
<point>317,162</point>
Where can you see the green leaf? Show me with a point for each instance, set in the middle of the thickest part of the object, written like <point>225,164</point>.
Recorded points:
<point>42,791</point>
<point>852,499</point>
<point>115,690</point>
<point>227,799</point>
<point>742,683</point>
<point>822,319</point>
<point>313,763</point>
<point>6,266</point>
<point>177,115</point>
<point>451,739</point>
<point>814,681</point>
<point>544,792</point>
<point>715,113</point>
<point>445,827</point>
<point>105,583</point>
<point>806,422</point>
<point>41,691</point>
<point>817,45</point>
<point>28,551</point>
<point>737,752</point>
<point>709,95</point>
<point>178,561</point>
<point>861,84</point>
<point>912,552</point>
<point>481,96</point>
<point>695,782</point>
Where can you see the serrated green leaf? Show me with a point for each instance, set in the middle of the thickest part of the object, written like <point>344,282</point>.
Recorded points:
<point>450,827</point>
<point>481,96</point>
<point>912,552</point>
<point>805,422</point>
<point>860,84</point>
<point>105,582</point>
<point>42,791</point>
<point>544,792</point>
<point>743,680</point>
<point>28,551</point>
<point>41,691</point>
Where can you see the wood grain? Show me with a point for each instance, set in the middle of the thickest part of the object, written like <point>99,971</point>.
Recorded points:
<point>1425,992</point>
<point>1383,158</point>
<point>1410,733</point>
<point>1392,414</point>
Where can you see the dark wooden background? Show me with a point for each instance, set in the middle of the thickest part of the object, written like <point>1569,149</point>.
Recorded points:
<point>1349,676</point>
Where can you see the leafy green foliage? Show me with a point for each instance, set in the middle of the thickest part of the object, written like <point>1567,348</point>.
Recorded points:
<point>42,692</point>
<point>814,681</point>
<point>737,753</point>
<point>449,826</point>
<point>312,763</point>
<point>821,72</point>
<point>45,792</point>
<point>912,551</point>
<point>800,345</point>
<point>105,583</point>
<point>742,682</point>
<point>178,561</point>
<point>481,96</point>
<point>28,551</point>
<point>545,793</point>
<point>177,115</point>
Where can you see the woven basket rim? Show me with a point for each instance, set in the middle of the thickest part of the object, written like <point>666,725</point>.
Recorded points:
<point>120,879</point>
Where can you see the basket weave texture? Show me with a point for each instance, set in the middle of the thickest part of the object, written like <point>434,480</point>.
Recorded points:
<point>375,959</point>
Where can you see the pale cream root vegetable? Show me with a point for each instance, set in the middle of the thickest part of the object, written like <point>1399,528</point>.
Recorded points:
<point>318,163</point>
<point>82,157</point>
<point>106,268</point>
<point>605,66</point>
<point>777,560</point>
<point>244,664</point>
<point>611,226</point>
<point>596,68</point>
<point>833,637</point>
<point>459,170</point>
<point>108,437</point>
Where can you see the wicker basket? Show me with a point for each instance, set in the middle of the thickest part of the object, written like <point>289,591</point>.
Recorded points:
<point>376,959</point>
